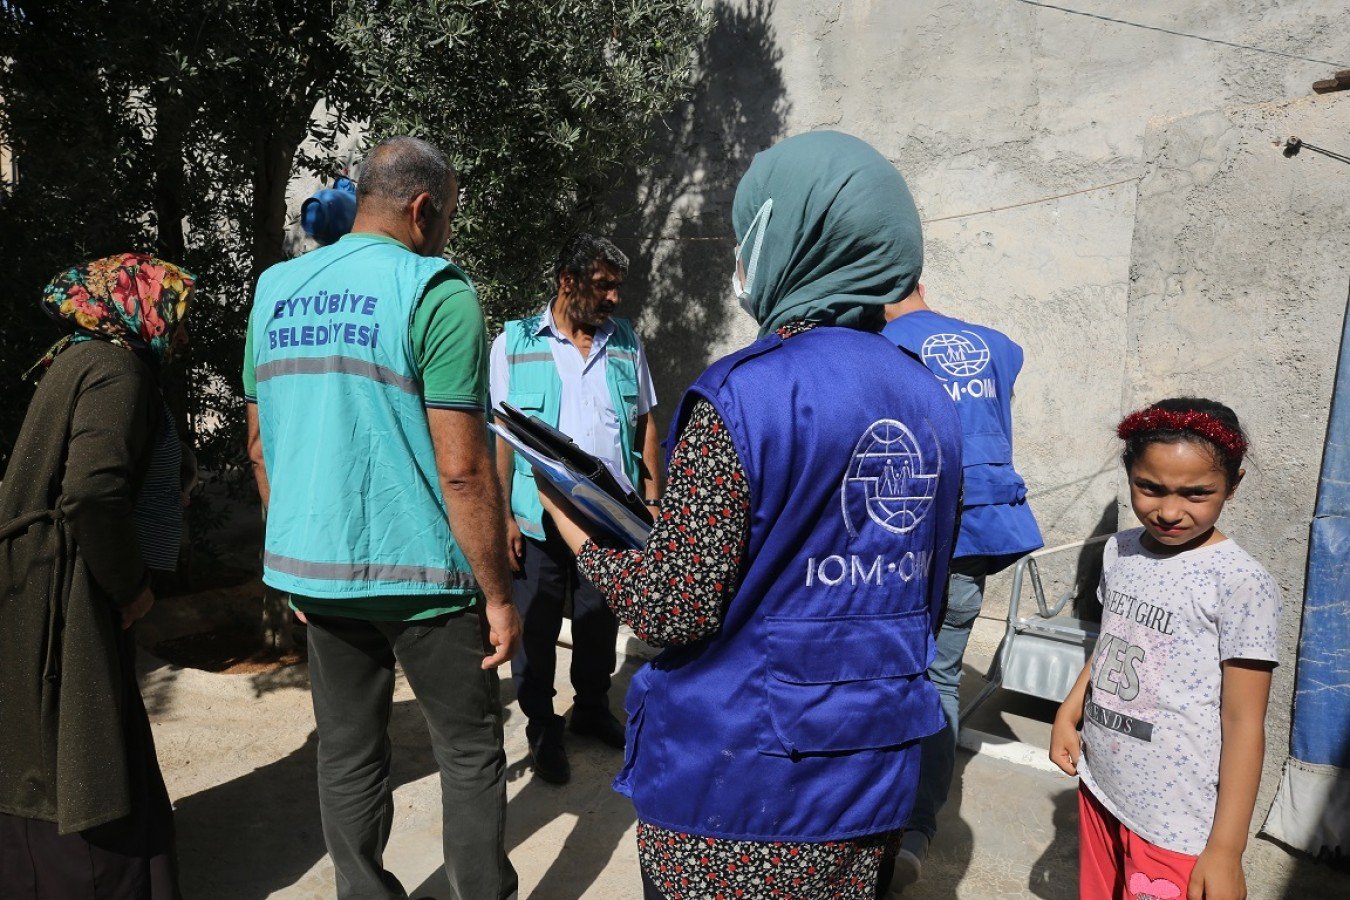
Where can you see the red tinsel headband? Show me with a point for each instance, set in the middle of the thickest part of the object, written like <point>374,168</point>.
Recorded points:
<point>1198,423</point>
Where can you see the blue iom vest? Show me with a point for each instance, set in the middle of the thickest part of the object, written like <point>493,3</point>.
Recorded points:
<point>978,367</point>
<point>356,507</point>
<point>800,718</point>
<point>536,389</point>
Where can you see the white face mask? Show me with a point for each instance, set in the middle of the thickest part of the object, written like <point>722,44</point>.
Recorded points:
<point>741,290</point>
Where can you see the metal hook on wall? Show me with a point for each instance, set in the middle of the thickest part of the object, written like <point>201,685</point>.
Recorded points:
<point>1293,145</point>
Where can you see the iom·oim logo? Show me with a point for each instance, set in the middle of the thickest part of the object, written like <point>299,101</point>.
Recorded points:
<point>891,480</point>
<point>963,355</point>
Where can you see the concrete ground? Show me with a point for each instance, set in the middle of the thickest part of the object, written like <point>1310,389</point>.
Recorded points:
<point>238,755</point>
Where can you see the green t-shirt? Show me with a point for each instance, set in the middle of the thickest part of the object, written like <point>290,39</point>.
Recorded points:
<point>449,342</point>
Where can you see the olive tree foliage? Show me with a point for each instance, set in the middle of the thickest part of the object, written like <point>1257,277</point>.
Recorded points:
<point>176,126</point>
<point>542,105</point>
<point>171,127</point>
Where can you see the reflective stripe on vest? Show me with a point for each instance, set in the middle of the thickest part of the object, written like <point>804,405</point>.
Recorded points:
<point>366,571</point>
<point>345,365</point>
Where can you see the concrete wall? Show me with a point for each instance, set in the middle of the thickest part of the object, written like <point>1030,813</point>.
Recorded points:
<point>1238,291</point>
<point>981,104</point>
<point>1239,274</point>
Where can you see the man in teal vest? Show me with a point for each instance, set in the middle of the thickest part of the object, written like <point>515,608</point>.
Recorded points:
<point>365,368</point>
<point>584,372</point>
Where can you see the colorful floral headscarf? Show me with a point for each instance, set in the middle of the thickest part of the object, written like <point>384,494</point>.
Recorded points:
<point>133,300</point>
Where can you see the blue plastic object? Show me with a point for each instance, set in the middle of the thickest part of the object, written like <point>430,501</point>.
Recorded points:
<point>329,214</point>
<point>1321,730</point>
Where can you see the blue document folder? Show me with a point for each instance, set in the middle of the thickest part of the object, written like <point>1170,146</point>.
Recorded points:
<point>596,504</point>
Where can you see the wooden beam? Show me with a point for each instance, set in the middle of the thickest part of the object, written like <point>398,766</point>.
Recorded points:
<point>1338,82</point>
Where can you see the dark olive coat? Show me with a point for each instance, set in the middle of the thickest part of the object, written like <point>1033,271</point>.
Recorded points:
<point>68,561</point>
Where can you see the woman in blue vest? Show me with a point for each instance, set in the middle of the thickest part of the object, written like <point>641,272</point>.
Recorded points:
<point>795,574</point>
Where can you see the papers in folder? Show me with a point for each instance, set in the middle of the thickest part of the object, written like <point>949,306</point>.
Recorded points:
<point>582,478</point>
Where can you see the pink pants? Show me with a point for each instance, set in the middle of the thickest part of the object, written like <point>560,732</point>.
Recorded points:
<point>1114,863</point>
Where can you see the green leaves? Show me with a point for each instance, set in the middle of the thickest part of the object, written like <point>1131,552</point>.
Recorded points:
<point>541,103</point>
<point>177,124</point>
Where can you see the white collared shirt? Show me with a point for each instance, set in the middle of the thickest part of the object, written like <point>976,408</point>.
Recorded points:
<point>586,411</point>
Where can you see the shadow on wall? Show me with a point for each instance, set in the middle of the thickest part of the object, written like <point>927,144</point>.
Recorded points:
<point>674,217</point>
<point>1086,605</point>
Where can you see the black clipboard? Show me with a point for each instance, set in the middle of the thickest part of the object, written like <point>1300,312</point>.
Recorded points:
<point>537,435</point>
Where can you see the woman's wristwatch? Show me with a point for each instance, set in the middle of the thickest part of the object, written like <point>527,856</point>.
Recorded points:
<point>656,502</point>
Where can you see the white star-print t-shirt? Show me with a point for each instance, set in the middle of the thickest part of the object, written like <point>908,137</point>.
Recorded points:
<point>1151,730</point>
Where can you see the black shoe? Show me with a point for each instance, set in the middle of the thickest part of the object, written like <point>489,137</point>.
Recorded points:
<point>599,724</point>
<point>546,750</point>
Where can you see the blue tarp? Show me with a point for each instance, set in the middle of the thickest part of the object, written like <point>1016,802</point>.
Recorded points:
<point>1312,809</point>
<point>1321,732</point>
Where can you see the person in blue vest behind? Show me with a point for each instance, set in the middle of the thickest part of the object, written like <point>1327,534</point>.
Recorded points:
<point>977,366</point>
<point>795,573</point>
<point>582,370</point>
<point>366,371</point>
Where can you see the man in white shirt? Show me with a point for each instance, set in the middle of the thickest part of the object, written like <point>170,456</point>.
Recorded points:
<point>583,371</point>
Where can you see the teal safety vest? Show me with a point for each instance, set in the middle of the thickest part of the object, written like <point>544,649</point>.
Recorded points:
<point>536,389</point>
<point>356,508</point>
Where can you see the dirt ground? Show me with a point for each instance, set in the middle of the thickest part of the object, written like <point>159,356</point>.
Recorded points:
<point>238,754</point>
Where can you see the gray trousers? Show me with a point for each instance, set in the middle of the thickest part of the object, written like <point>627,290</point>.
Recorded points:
<point>937,762</point>
<point>351,670</point>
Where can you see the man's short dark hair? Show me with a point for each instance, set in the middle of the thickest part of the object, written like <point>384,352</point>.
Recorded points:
<point>399,169</point>
<point>584,250</point>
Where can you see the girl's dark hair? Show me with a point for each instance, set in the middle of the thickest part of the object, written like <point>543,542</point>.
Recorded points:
<point>1206,422</point>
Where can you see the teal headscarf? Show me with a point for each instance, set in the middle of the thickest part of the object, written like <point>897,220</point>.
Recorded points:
<point>842,237</point>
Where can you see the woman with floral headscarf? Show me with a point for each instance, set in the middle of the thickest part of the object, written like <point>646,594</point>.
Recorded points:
<point>89,505</point>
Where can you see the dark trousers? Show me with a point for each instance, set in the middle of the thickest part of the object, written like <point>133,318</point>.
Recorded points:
<point>131,858</point>
<point>965,595</point>
<point>548,575</point>
<point>351,669</point>
<point>103,863</point>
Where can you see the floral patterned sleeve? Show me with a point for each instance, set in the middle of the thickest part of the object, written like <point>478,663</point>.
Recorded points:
<point>675,590</point>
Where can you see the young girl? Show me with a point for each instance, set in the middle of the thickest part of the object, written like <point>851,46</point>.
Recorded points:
<point>1173,703</point>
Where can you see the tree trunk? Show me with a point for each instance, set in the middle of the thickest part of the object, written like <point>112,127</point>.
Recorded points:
<point>167,158</point>
<point>167,151</point>
<point>272,173</point>
<point>275,154</point>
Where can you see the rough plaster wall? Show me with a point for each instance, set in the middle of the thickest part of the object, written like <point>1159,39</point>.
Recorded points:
<point>1238,292</point>
<point>980,103</point>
